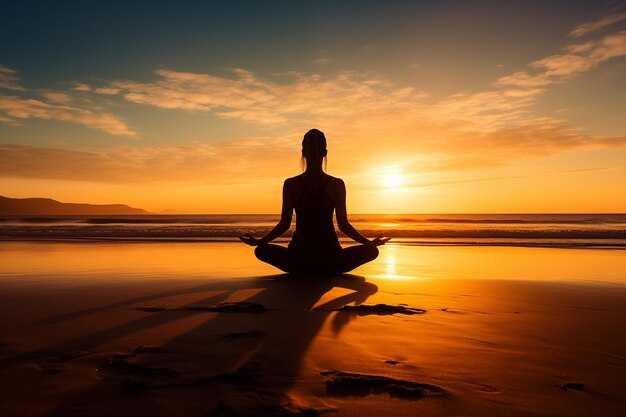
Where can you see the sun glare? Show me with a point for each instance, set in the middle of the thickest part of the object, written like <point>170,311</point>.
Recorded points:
<point>391,180</point>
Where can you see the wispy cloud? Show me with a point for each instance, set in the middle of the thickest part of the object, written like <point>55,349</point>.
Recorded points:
<point>322,61</point>
<point>81,87</point>
<point>8,120</point>
<point>107,91</point>
<point>23,108</point>
<point>226,162</point>
<point>588,27</point>
<point>8,79</point>
<point>250,98</point>
<point>57,97</point>
<point>54,105</point>
<point>575,59</point>
<point>593,169</point>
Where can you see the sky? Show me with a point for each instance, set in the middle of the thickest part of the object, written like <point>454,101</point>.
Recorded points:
<point>428,106</point>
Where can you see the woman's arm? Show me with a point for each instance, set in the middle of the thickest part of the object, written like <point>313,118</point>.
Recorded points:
<point>283,225</point>
<point>345,226</point>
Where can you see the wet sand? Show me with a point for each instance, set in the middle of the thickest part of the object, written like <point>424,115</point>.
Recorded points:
<point>203,329</point>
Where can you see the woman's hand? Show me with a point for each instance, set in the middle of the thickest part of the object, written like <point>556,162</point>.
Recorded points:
<point>380,240</point>
<point>248,239</point>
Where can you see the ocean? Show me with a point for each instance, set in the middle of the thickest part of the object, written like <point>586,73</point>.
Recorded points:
<point>542,230</point>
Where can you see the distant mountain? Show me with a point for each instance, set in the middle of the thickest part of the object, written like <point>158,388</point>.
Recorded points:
<point>48,206</point>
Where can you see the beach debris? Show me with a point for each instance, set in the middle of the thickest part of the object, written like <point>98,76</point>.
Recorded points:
<point>392,362</point>
<point>344,384</point>
<point>444,309</point>
<point>576,386</point>
<point>381,309</point>
<point>226,307</point>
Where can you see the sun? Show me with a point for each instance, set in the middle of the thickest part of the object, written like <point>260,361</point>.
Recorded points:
<point>391,180</point>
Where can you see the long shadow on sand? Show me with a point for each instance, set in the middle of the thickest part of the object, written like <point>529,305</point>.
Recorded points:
<point>232,363</point>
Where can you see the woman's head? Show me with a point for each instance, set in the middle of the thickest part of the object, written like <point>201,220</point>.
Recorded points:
<point>314,148</point>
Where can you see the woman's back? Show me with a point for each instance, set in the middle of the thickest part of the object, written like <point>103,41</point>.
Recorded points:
<point>314,205</point>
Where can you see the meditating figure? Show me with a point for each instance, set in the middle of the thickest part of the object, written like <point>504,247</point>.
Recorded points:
<point>315,195</point>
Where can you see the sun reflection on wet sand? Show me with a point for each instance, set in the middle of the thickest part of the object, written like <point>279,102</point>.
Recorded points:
<point>389,258</point>
<point>226,260</point>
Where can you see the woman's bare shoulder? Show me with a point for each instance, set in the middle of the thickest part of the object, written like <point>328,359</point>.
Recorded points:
<point>335,185</point>
<point>292,182</point>
<point>336,181</point>
<point>292,179</point>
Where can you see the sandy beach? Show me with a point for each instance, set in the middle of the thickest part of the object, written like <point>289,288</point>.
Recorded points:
<point>163,329</point>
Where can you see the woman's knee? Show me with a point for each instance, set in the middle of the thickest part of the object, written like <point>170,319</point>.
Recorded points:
<point>261,251</point>
<point>372,252</point>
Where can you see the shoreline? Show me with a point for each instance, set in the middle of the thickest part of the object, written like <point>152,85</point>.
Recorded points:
<point>620,244</point>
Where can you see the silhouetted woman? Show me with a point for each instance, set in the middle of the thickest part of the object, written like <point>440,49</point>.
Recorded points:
<point>314,246</point>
